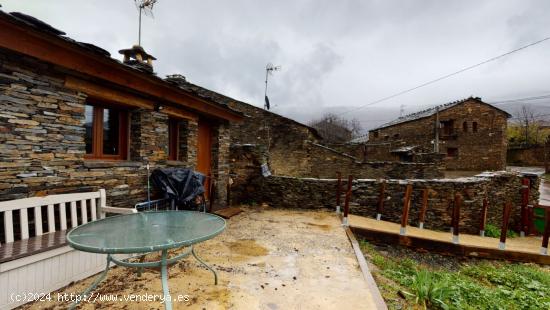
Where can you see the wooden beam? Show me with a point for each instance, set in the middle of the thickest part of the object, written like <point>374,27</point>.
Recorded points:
<point>53,49</point>
<point>525,185</point>
<point>338,191</point>
<point>504,228</point>
<point>422,215</point>
<point>546,234</point>
<point>347,199</point>
<point>381,198</point>
<point>406,208</point>
<point>456,216</point>
<point>108,94</point>
<point>446,248</point>
<point>483,217</point>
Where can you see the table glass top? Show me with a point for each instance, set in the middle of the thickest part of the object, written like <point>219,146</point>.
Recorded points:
<point>145,232</point>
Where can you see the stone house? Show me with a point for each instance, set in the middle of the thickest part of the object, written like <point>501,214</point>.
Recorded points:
<point>74,119</point>
<point>470,133</point>
<point>286,141</point>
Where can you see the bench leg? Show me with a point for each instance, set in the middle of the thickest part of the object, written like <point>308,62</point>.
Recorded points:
<point>205,265</point>
<point>94,284</point>
<point>164,277</point>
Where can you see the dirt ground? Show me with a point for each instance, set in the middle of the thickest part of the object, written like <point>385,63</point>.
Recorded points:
<point>266,259</point>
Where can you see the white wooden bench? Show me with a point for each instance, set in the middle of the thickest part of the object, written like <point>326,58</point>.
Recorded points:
<point>34,255</point>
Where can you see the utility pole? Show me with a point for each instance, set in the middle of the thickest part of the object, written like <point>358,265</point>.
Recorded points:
<point>436,140</point>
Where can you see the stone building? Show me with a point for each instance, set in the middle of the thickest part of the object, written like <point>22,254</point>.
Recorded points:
<point>286,142</point>
<point>470,134</point>
<point>74,119</point>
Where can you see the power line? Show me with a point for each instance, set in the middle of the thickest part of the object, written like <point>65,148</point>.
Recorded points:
<point>519,99</point>
<point>445,76</point>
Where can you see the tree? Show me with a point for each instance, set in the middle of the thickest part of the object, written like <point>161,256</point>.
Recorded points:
<point>528,128</point>
<point>335,129</point>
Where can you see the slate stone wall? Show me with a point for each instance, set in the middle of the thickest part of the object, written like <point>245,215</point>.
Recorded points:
<point>482,149</point>
<point>310,193</point>
<point>42,140</point>
<point>326,162</point>
<point>528,156</point>
<point>285,140</point>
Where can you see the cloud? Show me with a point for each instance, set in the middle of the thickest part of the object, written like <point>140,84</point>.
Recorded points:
<point>335,55</point>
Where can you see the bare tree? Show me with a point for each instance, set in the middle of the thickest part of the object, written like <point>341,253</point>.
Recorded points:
<point>528,127</point>
<point>335,129</point>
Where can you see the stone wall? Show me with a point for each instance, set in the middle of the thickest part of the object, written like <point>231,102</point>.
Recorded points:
<point>481,149</point>
<point>310,193</point>
<point>529,156</point>
<point>42,144</point>
<point>326,162</point>
<point>285,140</point>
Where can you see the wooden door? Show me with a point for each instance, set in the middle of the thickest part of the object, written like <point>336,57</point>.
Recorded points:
<point>204,152</point>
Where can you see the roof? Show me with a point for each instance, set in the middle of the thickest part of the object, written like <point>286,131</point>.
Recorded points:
<point>431,111</point>
<point>361,139</point>
<point>111,69</point>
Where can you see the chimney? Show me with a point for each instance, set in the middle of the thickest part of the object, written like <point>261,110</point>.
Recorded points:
<point>177,79</point>
<point>139,59</point>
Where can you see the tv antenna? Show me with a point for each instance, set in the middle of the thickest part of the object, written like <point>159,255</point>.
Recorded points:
<point>269,69</point>
<point>145,6</point>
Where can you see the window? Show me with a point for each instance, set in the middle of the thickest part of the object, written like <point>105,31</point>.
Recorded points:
<point>395,136</point>
<point>465,126</point>
<point>106,132</point>
<point>474,126</point>
<point>376,134</point>
<point>452,152</point>
<point>448,127</point>
<point>173,139</point>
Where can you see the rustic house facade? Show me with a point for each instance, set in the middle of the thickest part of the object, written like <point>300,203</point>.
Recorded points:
<point>469,133</point>
<point>74,119</point>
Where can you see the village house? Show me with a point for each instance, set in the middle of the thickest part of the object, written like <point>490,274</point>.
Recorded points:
<point>470,134</point>
<point>73,119</point>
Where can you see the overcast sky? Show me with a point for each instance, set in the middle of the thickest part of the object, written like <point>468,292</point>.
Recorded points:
<point>335,55</point>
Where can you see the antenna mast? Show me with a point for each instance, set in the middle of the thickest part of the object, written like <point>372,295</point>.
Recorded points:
<point>269,70</point>
<point>145,6</point>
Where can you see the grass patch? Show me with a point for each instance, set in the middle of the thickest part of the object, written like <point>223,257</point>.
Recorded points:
<point>406,282</point>
<point>494,232</point>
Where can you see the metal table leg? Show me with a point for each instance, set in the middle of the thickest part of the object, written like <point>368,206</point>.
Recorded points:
<point>93,285</point>
<point>164,277</point>
<point>205,265</point>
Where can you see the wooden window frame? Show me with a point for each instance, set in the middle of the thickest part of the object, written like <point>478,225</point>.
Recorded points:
<point>97,134</point>
<point>173,138</point>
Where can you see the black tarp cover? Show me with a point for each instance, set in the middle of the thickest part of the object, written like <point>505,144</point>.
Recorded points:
<point>180,184</point>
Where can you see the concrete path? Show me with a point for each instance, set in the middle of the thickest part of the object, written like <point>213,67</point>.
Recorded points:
<point>266,259</point>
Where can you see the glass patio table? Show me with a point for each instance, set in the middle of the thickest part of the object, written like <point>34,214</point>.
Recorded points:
<point>143,233</point>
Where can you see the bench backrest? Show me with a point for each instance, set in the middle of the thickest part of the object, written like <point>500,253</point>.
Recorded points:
<point>48,214</point>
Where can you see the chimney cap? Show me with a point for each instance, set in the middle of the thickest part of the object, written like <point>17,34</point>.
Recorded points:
<point>131,52</point>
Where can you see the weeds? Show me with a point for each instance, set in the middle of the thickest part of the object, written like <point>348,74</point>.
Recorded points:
<point>494,232</point>
<point>478,285</point>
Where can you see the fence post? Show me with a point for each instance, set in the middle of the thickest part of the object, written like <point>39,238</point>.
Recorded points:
<point>422,215</point>
<point>456,216</point>
<point>381,200</point>
<point>406,207</point>
<point>338,191</point>
<point>504,227</point>
<point>345,220</point>
<point>483,219</point>
<point>524,203</point>
<point>546,234</point>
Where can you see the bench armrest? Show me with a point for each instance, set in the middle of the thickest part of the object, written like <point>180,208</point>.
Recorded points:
<point>117,210</point>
